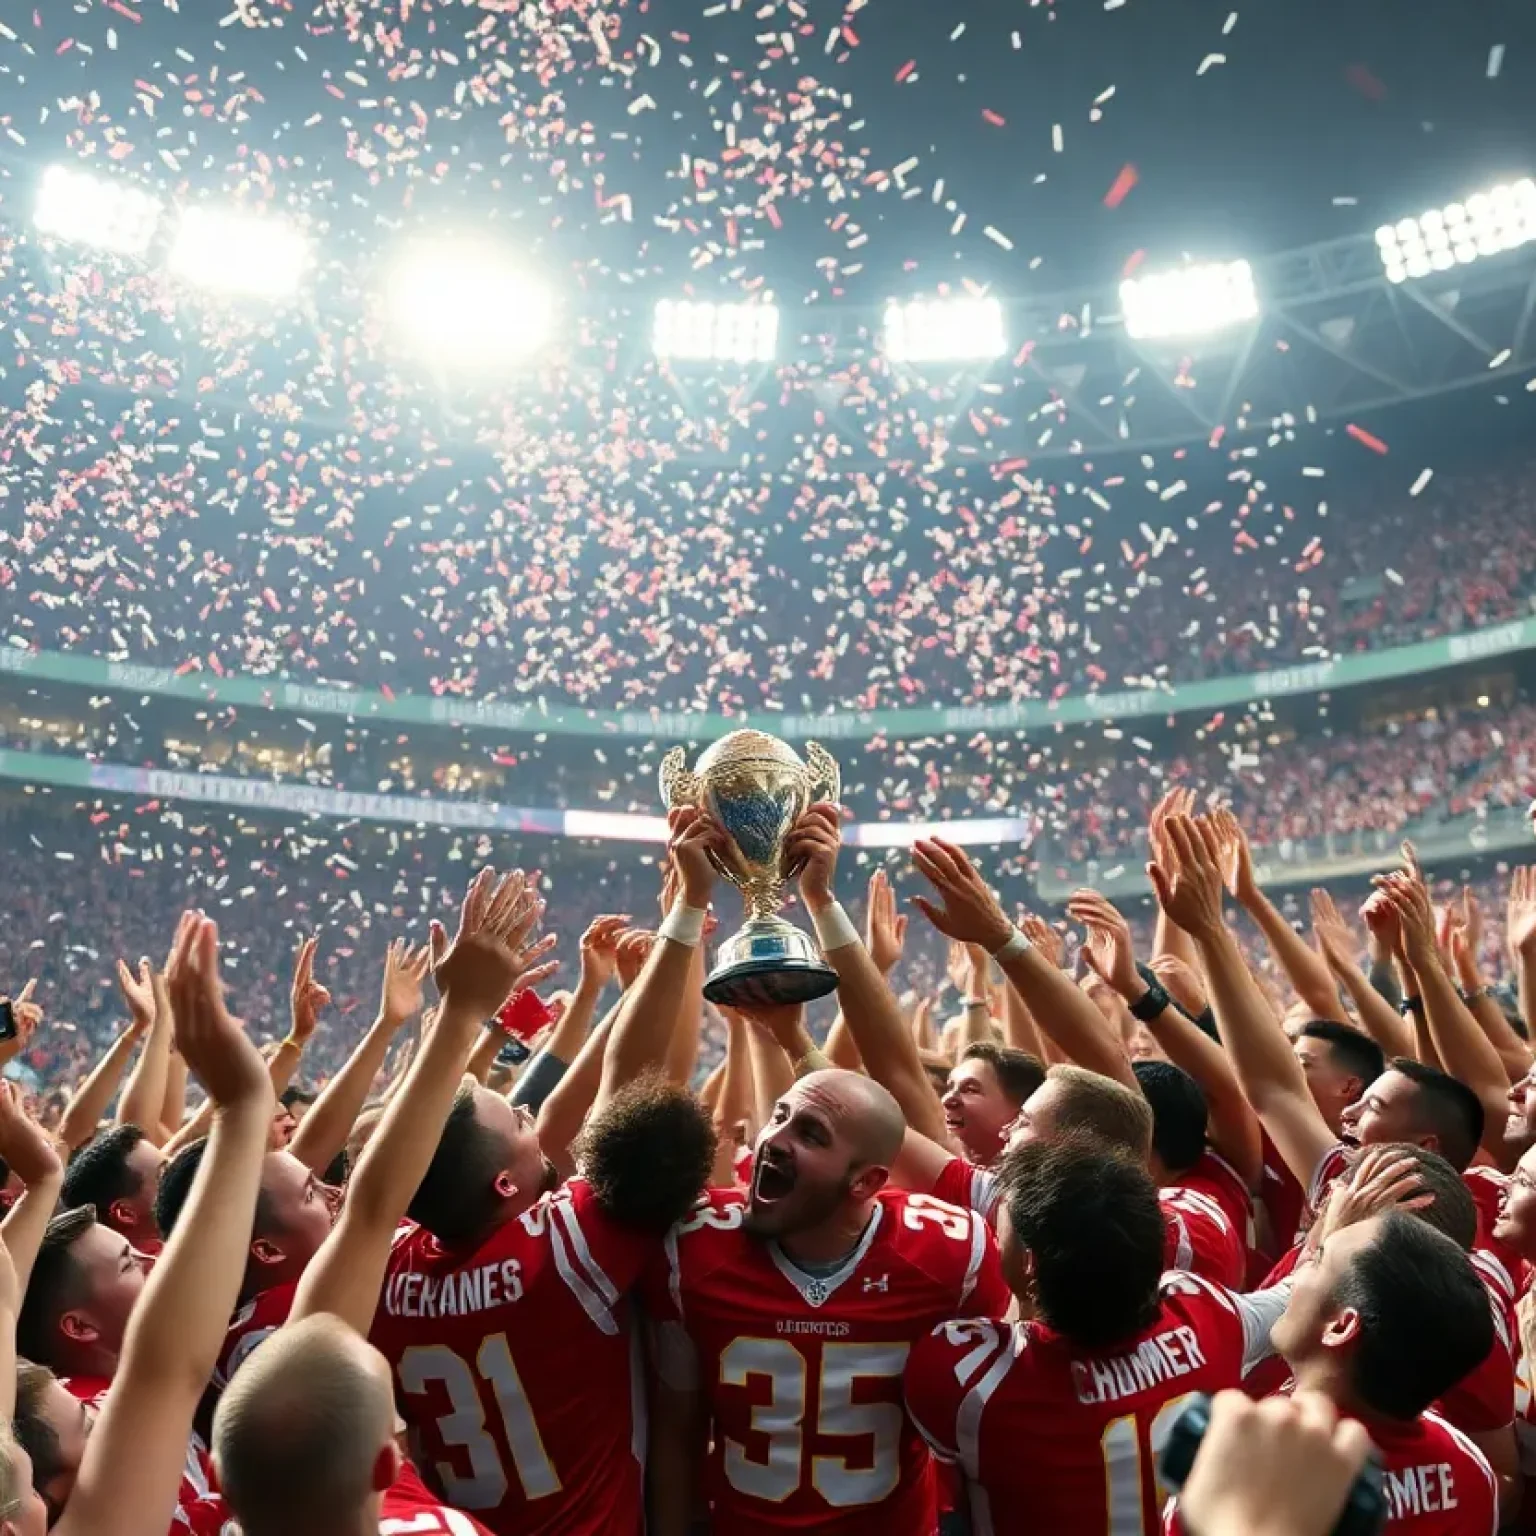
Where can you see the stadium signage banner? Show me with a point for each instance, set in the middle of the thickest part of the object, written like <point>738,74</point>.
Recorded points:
<point>570,720</point>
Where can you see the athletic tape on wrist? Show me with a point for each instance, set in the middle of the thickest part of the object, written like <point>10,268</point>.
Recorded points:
<point>834,928</point>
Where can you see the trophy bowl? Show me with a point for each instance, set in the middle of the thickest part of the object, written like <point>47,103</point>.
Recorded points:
<point>757,787</point>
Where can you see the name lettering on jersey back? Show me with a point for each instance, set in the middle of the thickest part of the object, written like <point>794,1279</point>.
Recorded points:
<point>1420,1490</point>
<point>455,1294</point>
<point>1163,1357</point>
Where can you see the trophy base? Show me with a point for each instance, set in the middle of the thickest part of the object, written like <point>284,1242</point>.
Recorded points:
<point>769,963</point>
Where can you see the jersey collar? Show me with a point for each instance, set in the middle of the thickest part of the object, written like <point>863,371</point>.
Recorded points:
<point>819,1289</point>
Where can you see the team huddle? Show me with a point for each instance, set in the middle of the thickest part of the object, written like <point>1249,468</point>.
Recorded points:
<point>929,1289</point>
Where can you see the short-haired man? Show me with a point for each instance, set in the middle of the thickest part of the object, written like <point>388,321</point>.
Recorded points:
<point>982,1098</point>
<point>117,1173</point>
<point>1057,1420</point>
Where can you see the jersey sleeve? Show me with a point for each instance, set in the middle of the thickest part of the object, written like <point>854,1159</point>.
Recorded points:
<point>1483,1401</point>
<point>984,1292</point>
<point>612,1255</point>
<point>969,1187</point>
<point>940,1372</point>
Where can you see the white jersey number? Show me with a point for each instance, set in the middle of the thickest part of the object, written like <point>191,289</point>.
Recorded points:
<point>781,1421</point>
<point>464,1427</point>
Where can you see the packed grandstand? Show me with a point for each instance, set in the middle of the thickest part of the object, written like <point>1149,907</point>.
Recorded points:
<point>1170,1079</point>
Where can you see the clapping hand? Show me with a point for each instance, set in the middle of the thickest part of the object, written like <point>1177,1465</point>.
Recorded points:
<point>217,1050</point>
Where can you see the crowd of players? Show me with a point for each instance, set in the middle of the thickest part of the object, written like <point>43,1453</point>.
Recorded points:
<point>909,1275</point>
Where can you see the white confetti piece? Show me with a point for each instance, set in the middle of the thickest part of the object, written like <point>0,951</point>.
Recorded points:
<point>1495,60</point>
<point>1425,476</point>
<point>1210,61</point>
<point>997,237</point>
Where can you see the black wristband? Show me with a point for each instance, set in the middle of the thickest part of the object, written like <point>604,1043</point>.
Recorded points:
<point>1151,1003</point>
<point>1414,1004</point>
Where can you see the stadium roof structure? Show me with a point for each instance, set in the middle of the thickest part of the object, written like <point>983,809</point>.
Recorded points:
<point>1334,338</point>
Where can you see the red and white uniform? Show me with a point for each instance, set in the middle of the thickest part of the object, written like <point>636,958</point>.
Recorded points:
<point>802,1373</point>
<point>257,1320</point>
<point>1283,1199</point>
<point>514,1365</point>
<point>1054,1438</point>
<point>408,1508</point>
<point>197,1507</point>
<point>1436,1481</point>
<point>1199,1236</point>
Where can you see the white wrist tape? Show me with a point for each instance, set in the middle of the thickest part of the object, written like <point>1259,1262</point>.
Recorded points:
<point>1015,944</point>
<point>834,928</point>
<point>683,925</point>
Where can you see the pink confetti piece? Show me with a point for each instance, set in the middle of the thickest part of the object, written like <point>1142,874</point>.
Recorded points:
<point>1120,188</point>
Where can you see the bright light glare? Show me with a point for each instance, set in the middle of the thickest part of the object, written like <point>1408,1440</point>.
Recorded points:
<point>97,211</point>
<point>944,330</point>
<point>697,332</point>
<point>1190,301</point>
<point>463,302</point>
<point>1487,223</point>
<point>235,252</point>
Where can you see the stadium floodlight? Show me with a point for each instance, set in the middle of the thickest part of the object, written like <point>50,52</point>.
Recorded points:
<point>725,333</point>
<point>98,211</point>
<point>1487,223</point>
<point>944,330</point>
<point>1190,301</point>
<point>236,252</point>
<point>468,302</point>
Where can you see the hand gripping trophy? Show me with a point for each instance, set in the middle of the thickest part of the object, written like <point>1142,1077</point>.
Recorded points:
<point>757,787</point>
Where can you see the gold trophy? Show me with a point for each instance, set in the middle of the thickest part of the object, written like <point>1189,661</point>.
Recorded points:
<point>757,787</point>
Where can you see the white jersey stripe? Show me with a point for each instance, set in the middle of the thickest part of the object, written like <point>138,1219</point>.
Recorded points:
<point>591,1302</point>
<point>972,1405</point>
<point>585,1257</point>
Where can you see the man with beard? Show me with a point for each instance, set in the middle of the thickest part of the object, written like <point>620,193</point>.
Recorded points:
<point>786,1315</point>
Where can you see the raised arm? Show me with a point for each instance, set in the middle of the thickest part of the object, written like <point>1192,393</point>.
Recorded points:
<point>1234,1128</point>
<point>1459,1041</point>
<point>1378,1018</point>
<point>34,1158</point>
<point>1520,935</point>
<point>83,1113</point>
<point>1168,939</point>
<point>869,1006</point>
<point>144,1096</point>
<point>134,1458</point>
<point>324,1130</point>
<point>1466,955</point>
<point>1308,973</point>
<point>642,1037</point>
<point>489,954</point>
<point>971,913</point>
<point>1267,1069</point>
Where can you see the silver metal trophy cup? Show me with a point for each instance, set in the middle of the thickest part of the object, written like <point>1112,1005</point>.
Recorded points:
<point>757,787</point>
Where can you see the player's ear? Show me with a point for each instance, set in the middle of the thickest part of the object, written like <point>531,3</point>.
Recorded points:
<point>868,1182</point>
<point>78,1328</point>
<point>123,1215</point>
<point>386,1467</point>
<point>1341,1330</point>
<point>265,1251</point>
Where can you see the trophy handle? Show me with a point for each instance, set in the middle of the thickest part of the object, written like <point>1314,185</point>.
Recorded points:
<point>679,785</point>
<point>824,773</point>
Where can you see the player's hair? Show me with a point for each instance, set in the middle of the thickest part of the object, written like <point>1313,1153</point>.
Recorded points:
<point>457,1200</point>
<point>298,1431</point>
<point>295,1093</point>
<point>34,1434</point>
<point>58,1283</point>
<point>1452,1211</point>
<point>176,1186</point>
<point>1018,1073</point>
<point>1350,1050</point>
<point>1446,1109</point>
<point>1180,1114</point>
<point>1099,1107</point>
<point>1089,1217</point>
<point>98,1173</point>
<point>648,1154</point>
<point>1425,1321</point>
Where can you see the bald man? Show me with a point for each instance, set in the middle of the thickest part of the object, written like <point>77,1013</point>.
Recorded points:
<point>304,1442</point>
<point>786,1314</point>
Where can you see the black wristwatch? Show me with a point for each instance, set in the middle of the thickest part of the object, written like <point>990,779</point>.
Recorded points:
<point>1151,1003</point>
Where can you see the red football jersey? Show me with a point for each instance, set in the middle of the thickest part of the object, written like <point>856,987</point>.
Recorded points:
<point>408,1508</point>
<point>970,1187</point>
<point>1215,1178</point>
<point>1283,1199</point>
<point>1054,1438</point>
<point>196,1505</point>
<point>1199,1237</point>
<point>258,1319</point>
<point>802,1373</point>
<point>1436,1481</point>
<point>514,1366</point>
